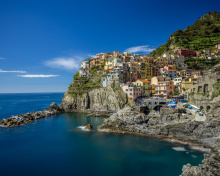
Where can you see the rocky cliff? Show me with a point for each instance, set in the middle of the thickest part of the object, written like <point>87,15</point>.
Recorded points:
<point>87,94</point>
<point>174,124</point>
<point>101,99</point>
<point>209,167</point>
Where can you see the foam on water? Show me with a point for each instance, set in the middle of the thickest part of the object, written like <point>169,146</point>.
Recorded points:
<point>82,128</point>
<point>103,130</point>
<point>180,149</point>
<point>194,156</point>
<point>201,149</point>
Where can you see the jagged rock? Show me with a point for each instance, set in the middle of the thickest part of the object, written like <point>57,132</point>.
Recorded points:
<point>210,167</point>
<point>53,106</point>
<point>88,127</point>
<point>172,123</point>
<point>29,117</point>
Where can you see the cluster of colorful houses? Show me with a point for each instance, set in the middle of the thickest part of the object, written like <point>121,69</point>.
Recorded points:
<point>144,76</point>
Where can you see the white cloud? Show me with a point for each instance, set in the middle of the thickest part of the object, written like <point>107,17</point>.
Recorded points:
<point>92,55</point>
<point>136,49</point>
<point>2,58</point>
<point>37,76</point>
<point>16,71</point>
<point>66,63</point>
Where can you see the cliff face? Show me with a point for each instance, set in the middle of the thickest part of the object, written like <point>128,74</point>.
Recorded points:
<point>102,99</point>
<point>86,94</point>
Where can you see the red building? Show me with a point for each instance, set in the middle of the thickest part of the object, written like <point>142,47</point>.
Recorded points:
<point>185,52</point>
<point>127,59</point>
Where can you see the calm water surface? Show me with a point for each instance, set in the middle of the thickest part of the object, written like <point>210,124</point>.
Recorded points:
<point>56,146</point>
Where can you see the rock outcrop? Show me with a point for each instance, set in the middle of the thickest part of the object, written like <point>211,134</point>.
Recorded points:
<point>210,167</point>
<point>102,99</point>
<point>31,116</point>
<point>175,124</point>
<point>88,127</point>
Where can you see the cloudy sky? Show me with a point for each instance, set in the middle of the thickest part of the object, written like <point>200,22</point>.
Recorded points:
<point>42,43</point>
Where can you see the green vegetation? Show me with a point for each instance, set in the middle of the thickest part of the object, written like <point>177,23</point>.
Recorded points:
<point>200,63</point>
<point>81,85</point>
<point>216,91</point>
<point>203,34</point>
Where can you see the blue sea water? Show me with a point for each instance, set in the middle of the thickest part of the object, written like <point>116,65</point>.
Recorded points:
<point>55,146</point>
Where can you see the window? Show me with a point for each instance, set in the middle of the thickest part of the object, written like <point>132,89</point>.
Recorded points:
<point>126,90</point>
<point>130,93</point>
<point>130,89</point>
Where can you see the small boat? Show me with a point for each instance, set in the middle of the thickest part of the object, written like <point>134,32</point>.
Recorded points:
<point>97,115</point>
<point>89,115</point>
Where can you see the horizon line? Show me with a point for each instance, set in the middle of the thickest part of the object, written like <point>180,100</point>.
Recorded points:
<point>27,92</point>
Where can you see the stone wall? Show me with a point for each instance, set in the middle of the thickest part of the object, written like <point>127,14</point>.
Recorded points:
<point>200,94</point>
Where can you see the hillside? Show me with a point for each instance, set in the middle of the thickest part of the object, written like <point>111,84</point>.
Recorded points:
<point>203,34</point>
<point>81,85</point>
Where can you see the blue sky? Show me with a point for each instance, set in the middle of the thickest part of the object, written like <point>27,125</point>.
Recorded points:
<point>43,42</point>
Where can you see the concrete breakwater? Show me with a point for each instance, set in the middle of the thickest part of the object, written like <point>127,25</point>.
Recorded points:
<point>29,117</point>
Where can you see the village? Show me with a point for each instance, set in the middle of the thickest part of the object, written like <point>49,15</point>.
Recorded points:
<point>144,77</point>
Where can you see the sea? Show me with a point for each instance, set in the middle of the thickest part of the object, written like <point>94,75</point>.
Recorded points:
<point>58,145</point>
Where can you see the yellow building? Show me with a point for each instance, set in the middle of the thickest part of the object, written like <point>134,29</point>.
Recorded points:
<point>145,84</point>
<point>135,66</point>
<point>215,51</point>
<point>188,82</point>
<point>148,60</point>
<point>161,62</point>
<point>109,63</point>
<point>146,71</point>
<point>152,89</point>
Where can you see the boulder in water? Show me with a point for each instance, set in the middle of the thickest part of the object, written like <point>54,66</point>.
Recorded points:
<point>88,127</point>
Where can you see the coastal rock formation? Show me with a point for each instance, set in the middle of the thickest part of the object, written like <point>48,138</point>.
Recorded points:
<point>88,127</point>
<point>174,124</point>
<point>210,166</point>
<point>102,99</point>
<point>31,116</point>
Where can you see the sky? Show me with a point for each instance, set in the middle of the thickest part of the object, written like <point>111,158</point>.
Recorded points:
<point>43,42</point>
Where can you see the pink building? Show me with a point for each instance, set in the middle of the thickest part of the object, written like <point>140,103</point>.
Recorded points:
<point>218,46</point>
<point>169,67</point>
<point>163,86</point>
<point>198,54</point>
<point>132,91</point>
